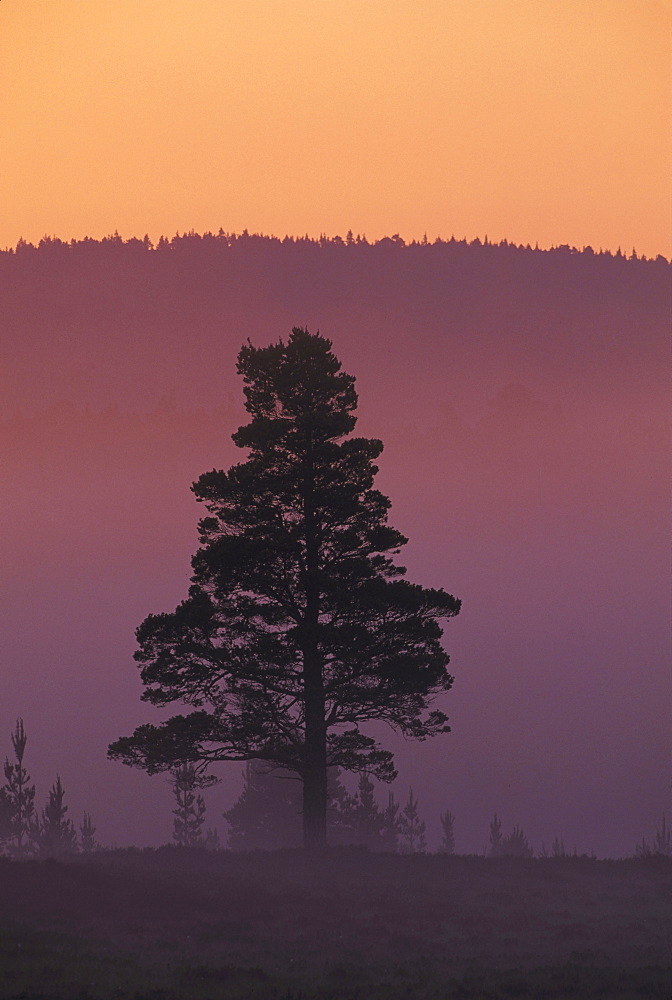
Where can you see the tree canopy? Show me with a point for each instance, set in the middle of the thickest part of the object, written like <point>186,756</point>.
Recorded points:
<point>299,627</point>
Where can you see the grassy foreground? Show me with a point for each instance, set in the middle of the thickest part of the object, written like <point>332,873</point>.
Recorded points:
<point>169,924</point>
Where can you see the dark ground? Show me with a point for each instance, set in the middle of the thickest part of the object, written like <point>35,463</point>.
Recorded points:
<point>168,924</point>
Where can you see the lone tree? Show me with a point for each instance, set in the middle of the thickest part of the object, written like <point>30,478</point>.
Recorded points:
<point>299,628</point>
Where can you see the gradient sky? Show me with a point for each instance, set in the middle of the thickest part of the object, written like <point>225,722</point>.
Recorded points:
<point>531,120</point>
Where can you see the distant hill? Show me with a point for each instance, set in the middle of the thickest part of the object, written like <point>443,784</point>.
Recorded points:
<point>113,322</point>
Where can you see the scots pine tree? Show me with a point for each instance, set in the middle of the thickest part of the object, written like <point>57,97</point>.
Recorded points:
<point>361,816</point>
<point>87,835</point>
<point>447,845</point>
<point>55,835</point>
<point>6,814</point>
<point>338,798</point>
<point>495,837</point>
<point>189,809</point>
<point>411,827</point>
<point>390,827</point>
<point>19,794</point>
<point>299,627</point>
<point>516,845</point>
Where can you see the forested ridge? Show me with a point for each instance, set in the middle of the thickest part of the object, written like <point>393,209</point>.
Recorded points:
<point>123,322</point>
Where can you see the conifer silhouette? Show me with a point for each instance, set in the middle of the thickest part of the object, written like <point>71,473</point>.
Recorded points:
<point>189,809</point>
<point>514,844</point>
<point>87,835</point>
<point>495,836</point>
<point>299,628</point>
<point>361,817</point>
<point>389,834</point>
<point>411,827</point>
<point>447,844</point>
<point>55,834</point>
<point>19,797</point>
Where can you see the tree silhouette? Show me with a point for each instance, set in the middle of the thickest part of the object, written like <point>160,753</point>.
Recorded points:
<point>389,834</point>
<point>190,808</point>
<point>19,797</point>
<point>514,844</point>
<point>495,836</point>
<point>338,827</point>
<point>55,835</point>
<point>6,814</point>
<point>368,817</point>
<point>361,817</point>
<point>211,839</point>
<point>411,827</point>
<point>298,627</point>
<point>447,845</point>
<point>87,835</point>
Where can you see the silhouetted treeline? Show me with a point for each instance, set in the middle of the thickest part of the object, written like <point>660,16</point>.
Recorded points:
<point>226,240</point>
<point>119,321</point>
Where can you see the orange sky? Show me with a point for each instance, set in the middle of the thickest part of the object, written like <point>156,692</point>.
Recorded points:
<point>534,120</point>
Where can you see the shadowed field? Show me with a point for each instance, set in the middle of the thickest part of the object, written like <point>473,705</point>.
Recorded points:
<point>166,924</point>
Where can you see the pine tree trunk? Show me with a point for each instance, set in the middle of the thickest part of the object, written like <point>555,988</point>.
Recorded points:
<point>315,747</point>
<point>315,806</point>
<point>315,755</point>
